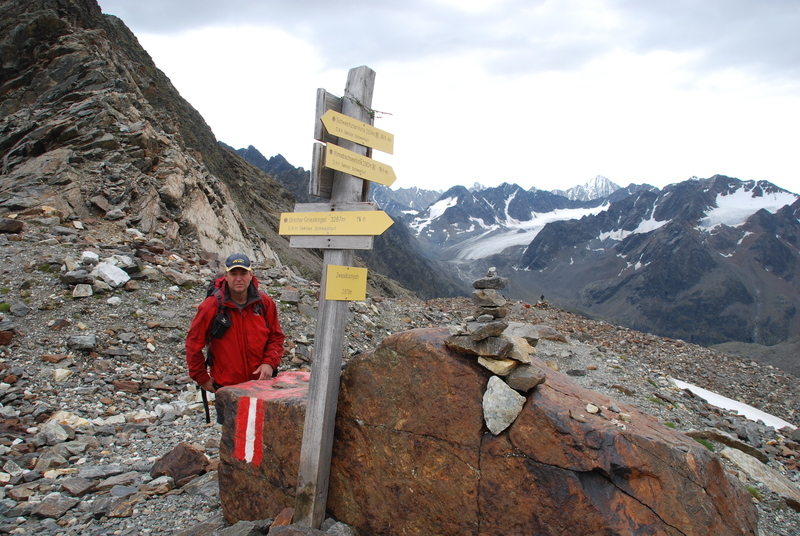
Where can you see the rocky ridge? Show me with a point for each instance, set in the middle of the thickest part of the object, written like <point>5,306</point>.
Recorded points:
<point>95,391</point>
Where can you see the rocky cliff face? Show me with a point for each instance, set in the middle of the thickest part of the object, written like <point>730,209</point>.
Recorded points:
<point>90,126</point>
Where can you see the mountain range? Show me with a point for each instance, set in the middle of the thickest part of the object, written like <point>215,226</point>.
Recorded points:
<point>706,260</point>
<point>710,261</point>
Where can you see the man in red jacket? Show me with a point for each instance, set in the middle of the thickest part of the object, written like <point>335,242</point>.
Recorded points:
<point>240,326</point>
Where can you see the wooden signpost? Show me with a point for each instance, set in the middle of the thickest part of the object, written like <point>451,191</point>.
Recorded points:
<point>347,222</point>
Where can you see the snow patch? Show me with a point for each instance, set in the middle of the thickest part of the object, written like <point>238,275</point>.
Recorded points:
<point>741,408</point>
<point>745,235</point>
<point>438,208</point>
<point>519,233</point>
<point>617,234</point>
<point>434,211</point>
<point>734,209</point>
<point>645,226</point>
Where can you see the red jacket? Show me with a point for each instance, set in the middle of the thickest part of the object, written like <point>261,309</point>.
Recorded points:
<point>254,337</point>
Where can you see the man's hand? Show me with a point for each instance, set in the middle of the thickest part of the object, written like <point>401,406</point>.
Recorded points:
<point>208,386</point>
<point>264,372</point>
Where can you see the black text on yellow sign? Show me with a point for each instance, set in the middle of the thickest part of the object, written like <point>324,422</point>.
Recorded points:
<point>350,128</point>
<point>341,223</point>
<point>345,283</point>
<point>358,165</point>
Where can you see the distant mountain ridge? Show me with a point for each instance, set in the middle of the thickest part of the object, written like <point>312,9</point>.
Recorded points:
<point>706,260</point>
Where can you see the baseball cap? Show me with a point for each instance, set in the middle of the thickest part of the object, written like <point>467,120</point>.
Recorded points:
<point>237,260</point>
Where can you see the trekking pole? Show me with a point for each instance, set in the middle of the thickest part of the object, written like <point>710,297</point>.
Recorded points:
<point>205,405</point>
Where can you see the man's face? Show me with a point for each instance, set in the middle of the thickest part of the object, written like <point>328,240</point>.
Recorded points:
<point>238,279</point>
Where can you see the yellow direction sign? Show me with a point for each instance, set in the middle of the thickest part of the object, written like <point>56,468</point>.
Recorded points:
<point>345,283</point>
<point>350,128</point>
<point>355,223</point>
<point>358,165</point>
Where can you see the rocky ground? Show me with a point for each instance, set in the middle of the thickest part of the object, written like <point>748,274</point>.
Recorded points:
<point>94,389</point>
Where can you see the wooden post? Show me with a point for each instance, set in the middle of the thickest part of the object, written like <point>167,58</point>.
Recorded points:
<point>323,394</point>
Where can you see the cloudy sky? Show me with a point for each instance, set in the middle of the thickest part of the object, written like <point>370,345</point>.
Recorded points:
<point>535,92</point>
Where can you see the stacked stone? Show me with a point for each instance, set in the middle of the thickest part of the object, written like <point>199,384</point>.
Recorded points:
<point>486,296</point>
<point>504,348</point>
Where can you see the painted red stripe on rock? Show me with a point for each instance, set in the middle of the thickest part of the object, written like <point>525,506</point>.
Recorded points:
<point>248,436</point>
<point>242,410</point>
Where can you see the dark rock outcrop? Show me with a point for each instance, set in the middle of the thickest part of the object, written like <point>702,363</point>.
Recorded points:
<point>89,125</point>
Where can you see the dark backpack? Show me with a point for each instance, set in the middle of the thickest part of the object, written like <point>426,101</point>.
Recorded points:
<point>221,322</point>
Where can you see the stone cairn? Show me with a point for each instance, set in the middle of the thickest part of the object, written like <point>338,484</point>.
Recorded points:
<point>504,348</point>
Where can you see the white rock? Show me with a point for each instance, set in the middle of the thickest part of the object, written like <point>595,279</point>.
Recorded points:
<point>82,290</point>
<point>121,261</point>
<point>90,257</point>
<point>114,300</point>
<point>141,416</point>
<point>181,407</point>
<point>53,433</point>
<point>113,275</point>
<point>114,419</point>
<point>501,405</point>
<point>61,374</point>
<point>70,419</point>
<point>70,265</point>
<point>165,412</point>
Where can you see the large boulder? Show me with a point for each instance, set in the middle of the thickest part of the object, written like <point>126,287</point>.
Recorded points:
<point>260,449</point>
<point>412,455</point>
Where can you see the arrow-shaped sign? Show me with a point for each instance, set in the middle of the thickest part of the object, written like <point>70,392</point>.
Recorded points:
<point>358,165</point>
<point>349,128</point>
<point>358,223</point>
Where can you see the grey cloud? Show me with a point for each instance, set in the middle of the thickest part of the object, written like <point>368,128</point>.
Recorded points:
<point>754,35</point>
<point>757,36</point>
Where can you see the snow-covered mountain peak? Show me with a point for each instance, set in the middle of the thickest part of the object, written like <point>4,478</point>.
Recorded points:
<point>596,188</point>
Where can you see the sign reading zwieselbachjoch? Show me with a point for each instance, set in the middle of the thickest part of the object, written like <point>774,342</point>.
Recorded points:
<point>342,168</point>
